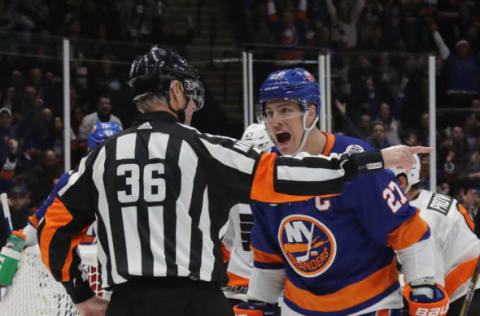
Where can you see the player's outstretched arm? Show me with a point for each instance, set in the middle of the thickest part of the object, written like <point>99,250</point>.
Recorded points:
<point>401,156</point>
<point>94,306</point>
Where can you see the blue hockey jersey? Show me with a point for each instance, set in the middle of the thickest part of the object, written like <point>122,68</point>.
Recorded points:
<point>338,252</point>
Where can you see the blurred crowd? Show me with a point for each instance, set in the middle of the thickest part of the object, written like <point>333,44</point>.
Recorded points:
<point>379,75</point>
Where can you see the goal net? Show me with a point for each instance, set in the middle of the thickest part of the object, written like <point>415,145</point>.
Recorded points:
<point>35,292</point>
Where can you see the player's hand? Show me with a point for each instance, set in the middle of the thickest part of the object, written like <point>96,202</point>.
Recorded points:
<point>401,156</point>
<point>94,306</point>
<point>426,299</point>
<point>254,309</point>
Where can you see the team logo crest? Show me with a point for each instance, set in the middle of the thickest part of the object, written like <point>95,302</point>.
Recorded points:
<point>308,245</point>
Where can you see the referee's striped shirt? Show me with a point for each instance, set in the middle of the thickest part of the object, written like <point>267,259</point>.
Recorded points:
<point>160,192</point>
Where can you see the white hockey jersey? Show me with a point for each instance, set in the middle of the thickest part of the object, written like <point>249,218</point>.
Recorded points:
<point>237,242</point>
<point>457,246</point>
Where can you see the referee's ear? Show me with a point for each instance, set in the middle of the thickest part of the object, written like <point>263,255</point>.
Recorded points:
<point>177,98</point>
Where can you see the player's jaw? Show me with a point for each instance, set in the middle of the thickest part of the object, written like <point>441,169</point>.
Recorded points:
<point>287,135</point>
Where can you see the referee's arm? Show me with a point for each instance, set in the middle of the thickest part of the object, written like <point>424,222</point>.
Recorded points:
<point>248,174</point>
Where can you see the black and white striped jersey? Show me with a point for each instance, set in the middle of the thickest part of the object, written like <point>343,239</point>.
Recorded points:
<point>160,193</point>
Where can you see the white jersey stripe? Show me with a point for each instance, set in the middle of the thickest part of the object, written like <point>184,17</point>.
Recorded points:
<point>133,246</point>
<point>188,161</point>
<point>157,241</point>
<point>207,250</point>
<point>308,174</point>
<point>103,209</point>
<point>74,176</point>
<point>126,146</point>
<point>230,157</point>
<point>157,145</point>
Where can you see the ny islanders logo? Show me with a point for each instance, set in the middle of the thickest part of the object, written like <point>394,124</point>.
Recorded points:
<point>308,245</point>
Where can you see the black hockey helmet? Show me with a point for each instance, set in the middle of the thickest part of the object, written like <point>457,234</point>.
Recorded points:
<point>154,72</point>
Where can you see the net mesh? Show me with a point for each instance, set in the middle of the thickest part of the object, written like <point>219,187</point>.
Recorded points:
<point>35,292</point>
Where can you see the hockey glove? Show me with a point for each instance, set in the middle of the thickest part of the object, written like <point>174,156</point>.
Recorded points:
<point>254,308</point>
<point>424,298</point>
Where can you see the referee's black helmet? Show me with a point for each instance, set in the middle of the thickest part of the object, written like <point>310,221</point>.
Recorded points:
<point>154,72</point>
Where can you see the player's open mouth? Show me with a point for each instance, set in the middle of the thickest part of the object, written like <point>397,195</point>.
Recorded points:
<point>283,137</point>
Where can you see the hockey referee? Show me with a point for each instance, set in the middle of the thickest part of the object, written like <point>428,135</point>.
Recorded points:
<point>159,192</point>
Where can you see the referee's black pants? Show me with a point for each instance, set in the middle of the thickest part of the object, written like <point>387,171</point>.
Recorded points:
<point>168,297</point>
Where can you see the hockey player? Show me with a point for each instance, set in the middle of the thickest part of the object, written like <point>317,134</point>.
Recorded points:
<point>236,241</point>
<point>457,247</point>
<point>334,255</point>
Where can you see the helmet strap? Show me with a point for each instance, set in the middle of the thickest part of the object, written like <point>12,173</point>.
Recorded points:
<point>306,131</point>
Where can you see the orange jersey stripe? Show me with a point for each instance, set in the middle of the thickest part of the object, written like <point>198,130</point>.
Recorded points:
<point>88,239</point>
<point>461,274</point>
<point>351,295</point>
<point>262,188</point>
<point>383,312</point>
<point>468,219</point>
<point>7,175</point>
<point>236,280</point>
<point>265,257</point>
<point>57,216</point>
<point>329,144</point>
<point>33,220</point>
<point>408,233</point>
<point>76,240</point>
<point>225,252</point>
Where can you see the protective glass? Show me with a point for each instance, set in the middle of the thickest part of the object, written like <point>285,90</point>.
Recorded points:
<point>195,90</point>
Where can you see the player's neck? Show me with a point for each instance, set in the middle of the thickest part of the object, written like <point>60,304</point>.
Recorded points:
<point>315,143</point>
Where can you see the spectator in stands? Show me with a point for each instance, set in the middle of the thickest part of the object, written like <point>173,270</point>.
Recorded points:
<point>6,132</point>
<point>453,154</point>
<point>386,75</point>
<point>348,126</point>
<point>392,24</point>
<point>370,20</point>
<point>103,114</point>
<point>424,172</point>
<point>107,77</point>
<point>365,127</point>
<point>344,22</point>
<point>461,70</point>
<point>58,136</point>
<point>411,138</point>
<point>21,205</point>
<point>424,137</point>
<point>39,135</point>
<point>392,125</point>
<point>378,140</point>
<point>470,176</point>
<point>40,179</point>
<point>290,30</point>
<point>8,150</point>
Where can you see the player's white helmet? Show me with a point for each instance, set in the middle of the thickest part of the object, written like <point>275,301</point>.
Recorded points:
<point>256,135</point>
<point>413,177</point>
